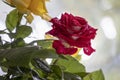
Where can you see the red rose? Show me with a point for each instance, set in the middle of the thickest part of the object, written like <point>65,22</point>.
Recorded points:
<point>74,31</point>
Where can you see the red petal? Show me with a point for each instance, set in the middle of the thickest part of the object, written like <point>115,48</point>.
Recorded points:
<point>88,50</point>
<point>61,49</point>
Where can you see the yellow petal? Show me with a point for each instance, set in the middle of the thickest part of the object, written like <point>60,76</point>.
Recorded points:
<point>21,5</point>
<point>77,55</point>
<point>29,18</point>
<point>38,7</point>
<point>47,36</point>
<point>46,17</point>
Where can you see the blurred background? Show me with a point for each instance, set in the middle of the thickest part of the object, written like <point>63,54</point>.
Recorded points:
<point>101,14</point>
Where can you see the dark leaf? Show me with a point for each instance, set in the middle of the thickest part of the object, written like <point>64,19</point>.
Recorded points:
<point>18,78</point>
<point>1,43</point>
<point>57,71</point>
<point>14,71</point>
<point>17,56</point>
<point>70,76</point>
<point>11,35</point>
<point>36,76</point>
<point>1,78</point>
<point>24,70</point>
<point>22,56</point>
<point>42,65</point>
<point>18,43</point>
<point>6,45</point>
<point>3,32</point>
<point>19,73</point>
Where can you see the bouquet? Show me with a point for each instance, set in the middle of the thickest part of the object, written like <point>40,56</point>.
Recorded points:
<point>26,61</point>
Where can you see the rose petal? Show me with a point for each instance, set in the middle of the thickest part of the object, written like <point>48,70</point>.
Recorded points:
<point>61,49</point>
<point>88,50</point>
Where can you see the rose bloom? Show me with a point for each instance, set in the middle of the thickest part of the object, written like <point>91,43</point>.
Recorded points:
<point>36,7</point>
<point>73,32</point>
<point>25,6</point>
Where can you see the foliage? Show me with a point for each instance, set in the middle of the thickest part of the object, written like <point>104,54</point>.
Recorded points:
<point>26,61</point>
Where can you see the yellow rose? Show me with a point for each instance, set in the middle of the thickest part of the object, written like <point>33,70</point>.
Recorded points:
<point>37,7</point>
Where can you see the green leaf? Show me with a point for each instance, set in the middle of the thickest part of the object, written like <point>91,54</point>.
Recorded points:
<point>17,56</point>
<point>22,56</point>
<point>47,43</point>
<point>57,71</point>
<point>13,19</point>
<point>96,75</point>
<point>23,31</point>
<point>18,43</point>
<point>46,53</point>
<point>70,64</point>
